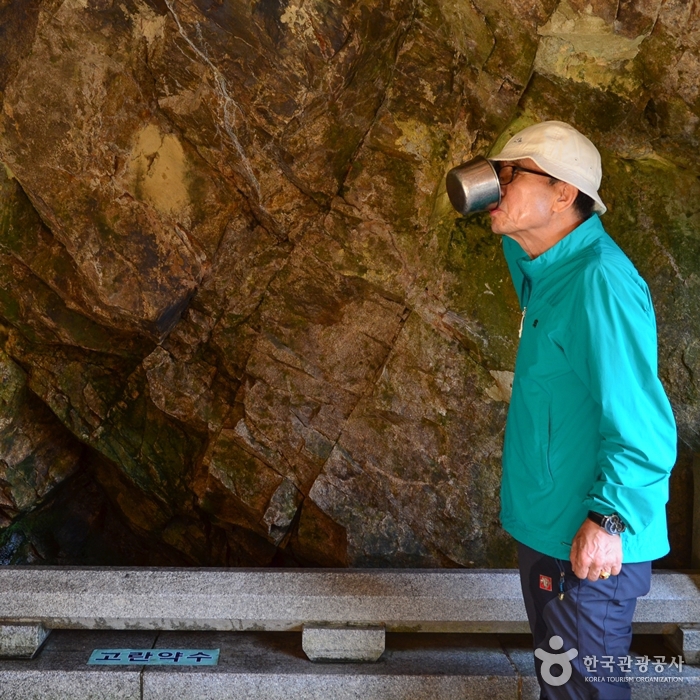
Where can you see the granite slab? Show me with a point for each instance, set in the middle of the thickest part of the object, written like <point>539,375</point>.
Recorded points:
<point>342,643</point>
<point>21,641</point>
<point>283,600</point>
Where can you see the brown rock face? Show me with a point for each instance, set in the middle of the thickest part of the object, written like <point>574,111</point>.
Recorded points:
<point>240,323</point>
<point>36,453</point>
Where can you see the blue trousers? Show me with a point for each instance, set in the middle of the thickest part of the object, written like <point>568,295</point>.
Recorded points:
<point>592,622</point>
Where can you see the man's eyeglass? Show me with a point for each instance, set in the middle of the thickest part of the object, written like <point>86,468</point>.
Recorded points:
<point>506,173</point>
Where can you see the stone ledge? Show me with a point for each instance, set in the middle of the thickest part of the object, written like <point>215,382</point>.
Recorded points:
<point>283,600</point>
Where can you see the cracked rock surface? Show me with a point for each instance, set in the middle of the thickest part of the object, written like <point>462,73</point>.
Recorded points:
<point>240,323</point>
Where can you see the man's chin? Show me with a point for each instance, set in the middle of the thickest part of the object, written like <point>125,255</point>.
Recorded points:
<point>495,227</point>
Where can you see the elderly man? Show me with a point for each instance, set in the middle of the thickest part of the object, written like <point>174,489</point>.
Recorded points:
<point>590,439</point>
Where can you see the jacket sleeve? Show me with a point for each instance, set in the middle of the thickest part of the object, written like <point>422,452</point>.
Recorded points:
<point>513,252</point>
<point>612,349</point>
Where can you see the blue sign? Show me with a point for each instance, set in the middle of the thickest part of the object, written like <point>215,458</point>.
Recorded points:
<point>154,657</point>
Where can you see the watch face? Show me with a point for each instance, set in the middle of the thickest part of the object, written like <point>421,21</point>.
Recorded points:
<point>614,525</point>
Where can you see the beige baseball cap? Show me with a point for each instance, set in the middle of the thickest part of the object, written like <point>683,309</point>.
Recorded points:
<point>562,152</point>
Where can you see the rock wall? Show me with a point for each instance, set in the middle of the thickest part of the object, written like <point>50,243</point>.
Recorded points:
<point>240,323</point>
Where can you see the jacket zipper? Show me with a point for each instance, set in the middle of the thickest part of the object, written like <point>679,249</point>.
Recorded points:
<point>525,295</point>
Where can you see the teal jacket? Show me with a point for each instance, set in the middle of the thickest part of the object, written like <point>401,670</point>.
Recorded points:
<point>589,425</point>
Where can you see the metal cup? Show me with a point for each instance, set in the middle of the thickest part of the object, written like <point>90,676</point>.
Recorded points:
<point>473,186</point>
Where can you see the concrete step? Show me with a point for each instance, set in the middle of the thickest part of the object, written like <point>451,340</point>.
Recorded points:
<point>272,666</point>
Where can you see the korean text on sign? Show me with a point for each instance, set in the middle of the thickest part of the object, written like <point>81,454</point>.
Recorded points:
<point>153,657</point>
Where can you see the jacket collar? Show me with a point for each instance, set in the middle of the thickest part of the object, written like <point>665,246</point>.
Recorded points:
<point>583,236</point>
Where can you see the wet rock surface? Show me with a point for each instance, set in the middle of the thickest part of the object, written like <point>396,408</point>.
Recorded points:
<point>240,323</point>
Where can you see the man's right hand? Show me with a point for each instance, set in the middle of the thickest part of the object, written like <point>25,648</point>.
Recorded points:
<point>594,551</point>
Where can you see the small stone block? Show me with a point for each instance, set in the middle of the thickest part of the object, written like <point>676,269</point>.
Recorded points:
<point>686,641</point>
<point>21,641</point>
<point>329,643</point>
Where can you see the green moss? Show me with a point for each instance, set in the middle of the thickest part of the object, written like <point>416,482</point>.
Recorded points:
<point>480,292</point>
<point>10,308</point>
<point>19,222</point>
<point>401,178</point>
<point>654,209</point>
<point>102,223</point>
<point>152,449</point>
<point>595,112</point>
<point>198,190</point>
<point>654,214</point>
<point>345,140</point>
<point>659,51</point>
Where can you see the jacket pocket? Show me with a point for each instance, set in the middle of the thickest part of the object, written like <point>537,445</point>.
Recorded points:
<point>529,430</point>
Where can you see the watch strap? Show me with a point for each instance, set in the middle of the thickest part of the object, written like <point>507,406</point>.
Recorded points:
<point>612,524</point>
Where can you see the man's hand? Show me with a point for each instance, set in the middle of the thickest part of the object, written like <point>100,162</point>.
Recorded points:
<point>594,551</point>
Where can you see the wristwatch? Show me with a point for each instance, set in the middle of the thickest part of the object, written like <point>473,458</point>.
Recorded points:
<point>610,523</point>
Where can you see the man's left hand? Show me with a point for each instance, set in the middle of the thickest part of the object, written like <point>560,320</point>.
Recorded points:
<point>594,551</point>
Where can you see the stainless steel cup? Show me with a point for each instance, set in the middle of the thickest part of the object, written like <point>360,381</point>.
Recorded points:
<point>473,186</point>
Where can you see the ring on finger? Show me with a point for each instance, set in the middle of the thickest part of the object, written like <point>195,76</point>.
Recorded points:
<point>604,575</point>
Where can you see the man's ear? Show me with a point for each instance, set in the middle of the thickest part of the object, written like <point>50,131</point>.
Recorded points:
<point>566,196</point>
